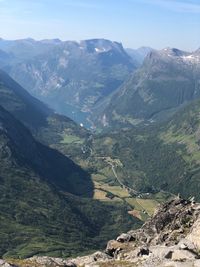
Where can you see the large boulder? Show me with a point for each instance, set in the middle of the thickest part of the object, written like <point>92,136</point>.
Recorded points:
<point>194,236</point>
<point>125,238</point>
<point>5,264</point>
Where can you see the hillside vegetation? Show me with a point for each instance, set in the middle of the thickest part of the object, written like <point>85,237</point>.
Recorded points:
<point>166,81</point>
<point>45,200</point>
<point>150,159</point>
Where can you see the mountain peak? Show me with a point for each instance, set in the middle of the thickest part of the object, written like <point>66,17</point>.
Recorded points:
<point>26,40</point>
<point>100,45</point>
<point>172,52</point>
<point>51,41</point>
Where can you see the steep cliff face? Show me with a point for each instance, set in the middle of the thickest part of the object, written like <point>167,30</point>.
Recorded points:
<point>171,238</point>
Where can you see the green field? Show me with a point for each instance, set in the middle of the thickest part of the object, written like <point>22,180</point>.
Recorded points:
<point>142,208</point>
<point>70,139</point>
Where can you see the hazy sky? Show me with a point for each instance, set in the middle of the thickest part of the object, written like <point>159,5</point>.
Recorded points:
<point>155,23</point>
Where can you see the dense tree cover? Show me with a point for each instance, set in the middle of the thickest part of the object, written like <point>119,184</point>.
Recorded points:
<point>160,157</point>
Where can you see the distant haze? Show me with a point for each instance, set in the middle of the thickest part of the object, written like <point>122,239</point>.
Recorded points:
<point>135,23</point>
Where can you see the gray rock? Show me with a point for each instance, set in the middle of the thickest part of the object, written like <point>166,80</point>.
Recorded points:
<point>93,259</point>
<point>143,251</point>
<point>2,262</point>
<point>5,264</point>
<point>101,256</point>
<point>70,264</point>
<point>183,255</point>
<point>187,245</point>
<point>125,238</point>
<point>112,247</point>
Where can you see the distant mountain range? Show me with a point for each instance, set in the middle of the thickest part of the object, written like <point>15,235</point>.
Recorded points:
<point>71,77</point>
<point>99,83</point>
<point>166,80</point>
<point>138,55</point>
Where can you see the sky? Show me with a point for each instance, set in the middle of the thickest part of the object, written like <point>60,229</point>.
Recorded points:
<point>135,23</point>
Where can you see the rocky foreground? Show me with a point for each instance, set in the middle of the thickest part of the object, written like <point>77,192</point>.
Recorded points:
<point>171,238</point>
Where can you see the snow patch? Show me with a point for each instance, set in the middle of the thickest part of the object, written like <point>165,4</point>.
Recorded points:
<point>100,50</point>
<point>58,85</point>
<point>191,58</point>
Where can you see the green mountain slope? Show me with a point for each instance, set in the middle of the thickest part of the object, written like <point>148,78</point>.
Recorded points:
<point>38,214</point>
<point>156,158</point>
<point>46,162</point>
<point>23,106</point>
<point>47,126</point>
<point>71,140</point>
<point>166,80</point>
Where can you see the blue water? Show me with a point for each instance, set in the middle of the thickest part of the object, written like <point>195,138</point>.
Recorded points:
<point>75,114</point>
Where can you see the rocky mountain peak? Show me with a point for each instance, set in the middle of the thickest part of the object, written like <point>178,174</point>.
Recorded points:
<point>180,56</point>
<point>172,52</point>
<point>175,56</point>
<point>100,45</point>
<point>167,53</point>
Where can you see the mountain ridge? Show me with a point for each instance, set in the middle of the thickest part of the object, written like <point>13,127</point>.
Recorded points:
<point>166,80</point>
<point>77,74</point>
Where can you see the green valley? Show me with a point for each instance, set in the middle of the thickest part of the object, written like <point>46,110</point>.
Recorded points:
<point>46,204</point>
<point>58,178</point>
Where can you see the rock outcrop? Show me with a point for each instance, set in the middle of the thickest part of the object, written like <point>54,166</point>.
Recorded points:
<point>171,238</point>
